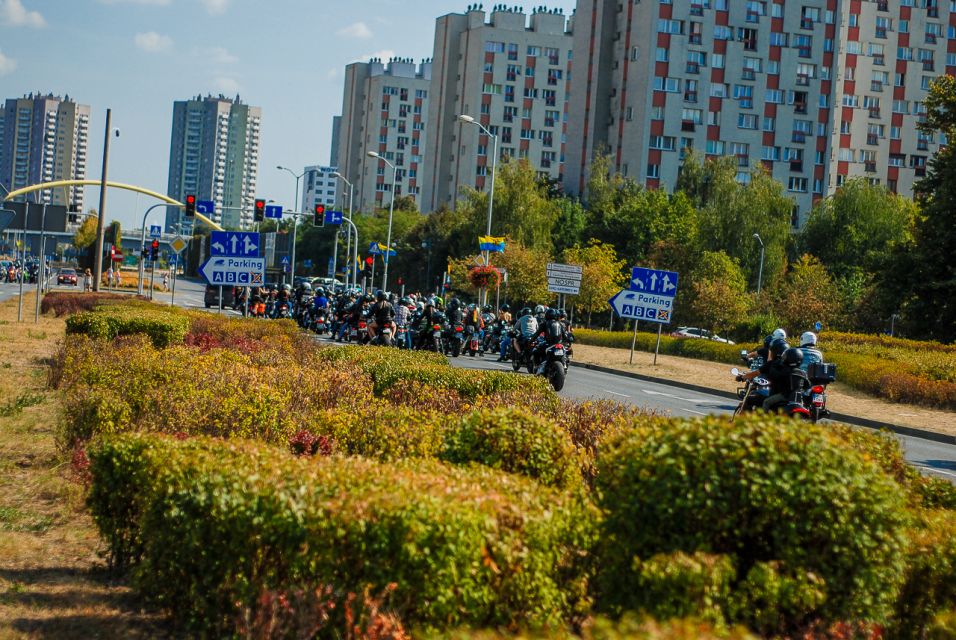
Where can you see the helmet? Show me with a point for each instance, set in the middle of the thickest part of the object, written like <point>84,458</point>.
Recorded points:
<point>381,295</point>
<point>452,305</point>
<point>526,311</point>
<point>779,334</point>
<point>287,287</point>
<point>486,308</point>
<point>551,314</point>
<point>505,307</point>
<point>539,309</point>
<point>307,286</point>
<point>562,314</point>
<point>793,357</point>
<point>405,301</point>
<point>808,339</point>
<point>778,346</point>
<point>368,297</point>
<point>420,306</point>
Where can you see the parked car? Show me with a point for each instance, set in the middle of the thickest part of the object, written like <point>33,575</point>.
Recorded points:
<point>67,276</point>
<point>694,332</point>
<point>211,297</point>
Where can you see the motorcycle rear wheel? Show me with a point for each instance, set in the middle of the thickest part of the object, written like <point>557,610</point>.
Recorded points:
<point>555,375</point>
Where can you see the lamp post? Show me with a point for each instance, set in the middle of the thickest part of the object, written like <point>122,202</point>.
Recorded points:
<point>466,119</point>
<point>295,219</point>
<point>760,272</point>
<point>100,226</point>
<point>336,174</point>
<point>142,248</point>
<point>391,209</point>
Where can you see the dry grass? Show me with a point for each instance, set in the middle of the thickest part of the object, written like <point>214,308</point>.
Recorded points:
<point>715,375</point>
<point>53,583</point>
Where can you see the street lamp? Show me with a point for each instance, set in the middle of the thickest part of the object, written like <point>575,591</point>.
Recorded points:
<point>391,208</point>
<point>760,272</point>
<point>466,119</point>
<point>353,269</point>
<point>101,221</point>
<point>295,219</point>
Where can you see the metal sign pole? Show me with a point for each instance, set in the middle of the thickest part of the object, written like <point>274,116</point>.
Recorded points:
<point>41,272</point>
<point>633,340</point>
<point>172,299</point>
<point>152,279</point>
<point>220,299</point>
<point>657,349</point>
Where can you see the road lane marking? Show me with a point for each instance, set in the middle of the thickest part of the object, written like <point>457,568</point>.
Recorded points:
<point>615,393</point>
<point>935,470</point>
<point>671,395</point>
<point>700,413</point>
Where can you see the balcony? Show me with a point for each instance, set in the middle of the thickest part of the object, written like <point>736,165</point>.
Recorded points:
<point>881,32</point>
<point>798,136</point>
<point>743,161</point>
<point>751,45</point>
<point>796,166</point>
<point>696,10</point>
<point>929,65</point>
<point>869,167</point>
<point>690,96</point>
<point>747,74</point>
<point>922,145</point>
<point>879,61</point>
<point>695,38</point>
<point>876,86</point>
<point>874,112</point>
<point>693,67</point>
<point>872,138</point>
<point>688,125</point>
<point>803,79</point>
<point>804,52</point>
<point>806,23</point>
<point>800,107</point>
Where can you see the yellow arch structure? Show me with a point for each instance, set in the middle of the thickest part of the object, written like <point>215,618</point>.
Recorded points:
<point>116,185</point>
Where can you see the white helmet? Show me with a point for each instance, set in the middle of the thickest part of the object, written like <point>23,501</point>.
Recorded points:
<point>808,339</point>
<point>778,334</point>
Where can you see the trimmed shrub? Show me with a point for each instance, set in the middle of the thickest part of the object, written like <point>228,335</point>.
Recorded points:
<point>516,441</point>
<point>214,524</point>
<point>930,585</point>
<point>384,432</point>
<point>63,303</point>
<point>680,585</point>
<point>687,347</point>
<point>469,383</point>
<point>758,490</point>
<point>629,627</point>
<point>770,598</point>
<point>163,327</point>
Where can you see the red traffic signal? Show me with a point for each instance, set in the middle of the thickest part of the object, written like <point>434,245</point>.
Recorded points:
<point>319,215</point>
<point>190,205</point>
<point>155,244</point>
<point>260,211</point>
<point>369,261</point>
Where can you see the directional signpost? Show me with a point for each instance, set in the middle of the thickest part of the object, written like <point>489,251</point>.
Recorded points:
<point>564,278</point>
<point>206,207</point>
<point>273,211</point>
<point>235,261</point>
<point>650,297</point>
<point>333,217</point>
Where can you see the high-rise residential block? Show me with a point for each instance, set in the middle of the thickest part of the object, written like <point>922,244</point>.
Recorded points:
<point>508,71</point>
<point>214,154</point>
<point>814,92</point>
<point>318,187</point>
<point>44,139</point>
<point>384,110</point>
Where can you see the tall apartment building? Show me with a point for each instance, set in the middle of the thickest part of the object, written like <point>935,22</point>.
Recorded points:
<point>384,109</point>
<point>510,72</point>
<point>319,187</point>
<point>890,52</point>
<point>214,154</point>
<point>42,139</point>
<point>803,89</point>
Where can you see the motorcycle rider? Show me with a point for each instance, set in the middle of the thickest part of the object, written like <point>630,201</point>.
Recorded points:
<point>763,353</point>
<point>776,371</point>
<point>403,316</point>
<point>525,329</point>
<point>811,353</point>
<point>382,313</point>
<point>539,314</point>
<point>550,333</point>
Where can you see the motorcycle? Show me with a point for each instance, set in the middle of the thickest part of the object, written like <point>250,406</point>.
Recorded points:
<point>401,337</point>
<point>456,339</point>
<point>384,337</point>
<point>554,365</point>
<point>750,401</point>
<point>520,358</point>
<point>472,343</point>
<point>320,324</point>
<point>283,311</point>
<point>820,375</point>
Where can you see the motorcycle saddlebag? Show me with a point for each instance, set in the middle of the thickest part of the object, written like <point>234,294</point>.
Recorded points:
<point>822,372</point>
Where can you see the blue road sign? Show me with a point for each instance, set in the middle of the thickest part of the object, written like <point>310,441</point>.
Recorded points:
<point>155,231</point>
<point>234,271</point>
<point>662,283</point>
<point>236,244</point>
<point>333,217</point>
<point>205,207</point>
<point>273,211</point>
<point>635,305</point>
<point>285,260</point>
<point>307,264</point>
<point>172,258</point>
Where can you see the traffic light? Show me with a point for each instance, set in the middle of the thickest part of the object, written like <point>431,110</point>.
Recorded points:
<point>154,251</point>
<point>319,215</point>
<point>368,267</point>
<point>190,206</point>
<point>260,211</point>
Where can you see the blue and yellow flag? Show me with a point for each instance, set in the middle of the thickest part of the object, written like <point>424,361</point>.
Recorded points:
<point>492,244</point>
<point>382,249</point>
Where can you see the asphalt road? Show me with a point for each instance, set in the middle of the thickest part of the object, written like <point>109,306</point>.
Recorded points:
<point>932,457</point>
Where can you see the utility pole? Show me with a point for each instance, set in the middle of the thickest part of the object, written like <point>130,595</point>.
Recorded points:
<point>101,220</point>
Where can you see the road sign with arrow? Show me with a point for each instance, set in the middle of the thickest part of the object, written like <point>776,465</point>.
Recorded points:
<point>237,244</point>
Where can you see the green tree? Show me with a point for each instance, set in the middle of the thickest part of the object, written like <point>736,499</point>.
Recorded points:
<point>929,290</point>
<point>114,233</point>
<point>602,275</point>
<point>527,279</point>
<point>717,298</point>
<point>85,236</point>
<point>858,227</point>
<point>522,209</point>
<point>731,213</point>
<point>805,296</point>
<point>570,225</point>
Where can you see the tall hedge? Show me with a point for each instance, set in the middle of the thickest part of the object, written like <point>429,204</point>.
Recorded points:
<point>758,491</point>
<point>211,525</point>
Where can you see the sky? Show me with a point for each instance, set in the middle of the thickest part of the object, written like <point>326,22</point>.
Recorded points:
<point>137,57</point>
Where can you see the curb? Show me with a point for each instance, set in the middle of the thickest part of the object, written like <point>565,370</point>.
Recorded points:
<point>912,432</point>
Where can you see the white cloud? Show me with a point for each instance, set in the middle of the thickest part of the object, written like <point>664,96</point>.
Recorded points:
<point>160,3</point>
<point>14,14</point>
<point>219,55</point>
<point>7,65</point>
<point>226,84</point>
<point>358,30</point>
<point>385,55</point>
<point>152,42</point>
<point>215,6</point>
